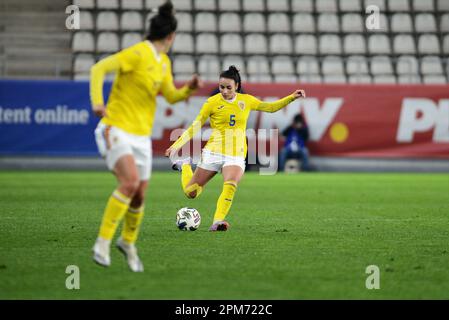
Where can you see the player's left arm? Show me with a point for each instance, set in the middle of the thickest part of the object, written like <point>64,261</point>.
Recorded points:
<point>279,104</point>
<point>173,94</point>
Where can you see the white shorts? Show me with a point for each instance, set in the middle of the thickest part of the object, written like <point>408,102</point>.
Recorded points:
<point>216,161</point>
<point>113,143</point>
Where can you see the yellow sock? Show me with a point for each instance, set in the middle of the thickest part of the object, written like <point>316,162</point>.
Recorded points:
<point>133,219</point>
<point>113,213</point>
<point>186,176</point>
<point>225,200</point>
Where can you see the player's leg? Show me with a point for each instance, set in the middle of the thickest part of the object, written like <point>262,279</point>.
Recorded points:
<point>231,177</point>
<point>193,183</point>
<point>128,181</point>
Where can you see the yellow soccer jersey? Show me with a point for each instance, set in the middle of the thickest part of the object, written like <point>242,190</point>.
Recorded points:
<point>228,121</point>
<point>141,75</point>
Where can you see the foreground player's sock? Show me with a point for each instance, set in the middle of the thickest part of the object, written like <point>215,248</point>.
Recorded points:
<point>133,219</point>
<point>186,175</point>
<point>113,213</point>
<point>225,200</point>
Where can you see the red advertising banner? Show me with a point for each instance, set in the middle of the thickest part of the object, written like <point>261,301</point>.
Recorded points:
<point>377,121</point>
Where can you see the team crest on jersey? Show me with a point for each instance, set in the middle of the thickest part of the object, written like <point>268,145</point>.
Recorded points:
<point>241,105</point>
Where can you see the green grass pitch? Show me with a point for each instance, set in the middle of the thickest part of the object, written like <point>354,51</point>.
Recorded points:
<point>305,236</point>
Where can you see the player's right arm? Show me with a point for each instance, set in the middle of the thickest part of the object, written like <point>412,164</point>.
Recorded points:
<point>191,131</point>
<point>125,60</point>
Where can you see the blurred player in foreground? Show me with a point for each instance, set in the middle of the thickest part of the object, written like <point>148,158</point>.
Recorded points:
<point>226,149</point>
<point>123,134</point>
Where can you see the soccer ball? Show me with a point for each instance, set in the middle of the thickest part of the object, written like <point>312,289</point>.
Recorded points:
<point>188,219</point>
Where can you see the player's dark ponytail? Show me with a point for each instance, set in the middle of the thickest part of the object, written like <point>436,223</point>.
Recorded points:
<point>234,74</point>
<point>163,23</point>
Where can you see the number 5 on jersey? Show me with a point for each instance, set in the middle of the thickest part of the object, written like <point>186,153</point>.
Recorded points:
<point>232,120</point>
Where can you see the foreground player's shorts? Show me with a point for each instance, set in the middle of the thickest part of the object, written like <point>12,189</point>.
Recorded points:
<point>113,143</point>
<point>216,161</point>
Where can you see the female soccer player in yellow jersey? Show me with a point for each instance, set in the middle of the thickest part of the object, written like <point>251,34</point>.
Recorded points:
<point>226,149</point>
<point>123,134</point>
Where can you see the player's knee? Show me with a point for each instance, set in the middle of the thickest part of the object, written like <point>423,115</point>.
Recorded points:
<point>130,186</point>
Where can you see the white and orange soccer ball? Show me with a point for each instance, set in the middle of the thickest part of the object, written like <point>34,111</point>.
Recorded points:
<point>188,219</point>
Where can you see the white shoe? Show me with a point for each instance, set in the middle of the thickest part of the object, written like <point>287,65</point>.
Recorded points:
<point>101,252</point>
<point>177,165</point>
<point>130,252</point>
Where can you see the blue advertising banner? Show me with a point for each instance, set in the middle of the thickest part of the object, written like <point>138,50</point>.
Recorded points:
<point>47,118</point>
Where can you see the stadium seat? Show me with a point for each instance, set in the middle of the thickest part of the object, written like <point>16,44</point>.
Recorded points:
<point>350,6</point>
<point>132,4</point>
<point>354,44</point>
<point>229,22</point>
<point>282,65</point>
<point>82,64</point>
<point>253,5</point>
<point>185,23</point>
<point>425,22</point>
<point>357,65</point>
<point>306,44</point>
<point>254,22</point>
<point>326,5</point>
<point>182,76</point>
<point>209,65</point>
<point>428,44</point>
<point>330,44</point>
<point>260,78</point>
<point>446,44</point>
<point>183,43</point>
<point>182,5</point>
<point>107,4</point>
<point>278,22</point>
<point>334,78</point>
<point>107,42</point>
<point>444,22</point>
<point>206,43</point>
<point>423,5</point>
<point>378,3</point>
<point>381,65</point>
<point>257,65</point>
<point>204,5</point>
<point>434,79</point>
<point>307,65</point>
<point>443,5</point>
<point>233,60</point>
<point>154,4</point>
<point>409,79</point>
<point>328,22</point>
<point>301,6</point>
<point>399,5</point>
<point>332,65</point>
<point>229,5</point>
<point>303,22</point>
<point>255,44</point>
<point>379,44</point>
<point>431,65</point>
<point>384,25</point>
<point>130,38</point>
<point>407,65</point>
<point>384,79</point>
<point>360,79</point>
<point>86,20</point>
<point>285,78</point>
<point>231,43</point>
<point>277,5</point>
<point>107,21</point>
<point>83,41</point>
<point>131,20</point>
<point>281,44</point>
<point>401,22</point>
<point>205,22</point>
<point>310,78</point>
<point>84,4</point>
<point>352,22</point>
<point>404,44</point>
<point>183,64</point>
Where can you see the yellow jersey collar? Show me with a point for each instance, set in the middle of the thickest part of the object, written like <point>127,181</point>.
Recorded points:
<point>156,55</point>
